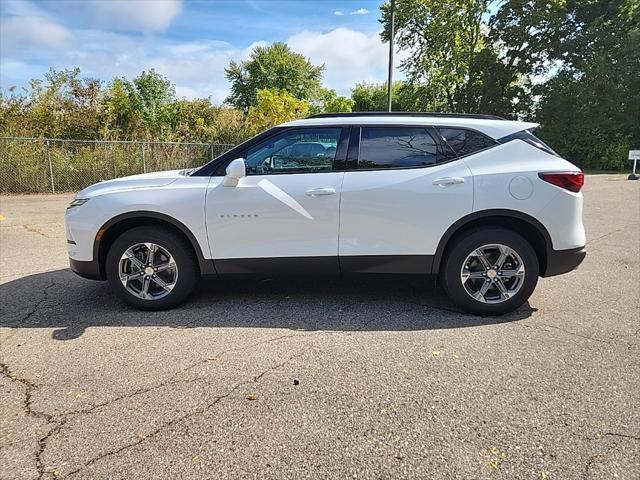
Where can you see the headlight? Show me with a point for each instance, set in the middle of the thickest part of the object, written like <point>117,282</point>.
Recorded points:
<point>76,202</point>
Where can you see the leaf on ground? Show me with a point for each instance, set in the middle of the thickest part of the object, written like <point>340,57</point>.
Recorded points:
<point>252,397</point>
<point>435,353</point>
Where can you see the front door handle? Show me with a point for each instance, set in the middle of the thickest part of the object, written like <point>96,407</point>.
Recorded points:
<point>448,181</point>
<point>318,192</point>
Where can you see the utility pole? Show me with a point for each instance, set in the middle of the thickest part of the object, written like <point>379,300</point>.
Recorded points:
<point>393,31</point>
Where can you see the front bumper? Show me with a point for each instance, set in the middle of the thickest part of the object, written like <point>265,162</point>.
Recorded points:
<point>90,269</point>
<point>563,261</point>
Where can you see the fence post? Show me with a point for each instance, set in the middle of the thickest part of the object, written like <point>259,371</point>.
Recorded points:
<point>144,163</point>
<point>113,159</point>
<point>211,151</point>
<point>53,185</point>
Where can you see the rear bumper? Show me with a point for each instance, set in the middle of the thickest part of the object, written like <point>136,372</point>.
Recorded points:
<point>90,269</point>
<point>563,261</point>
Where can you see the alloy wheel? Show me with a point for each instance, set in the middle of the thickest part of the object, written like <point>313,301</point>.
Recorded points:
<point>492,273</point>
<point>148,271</point>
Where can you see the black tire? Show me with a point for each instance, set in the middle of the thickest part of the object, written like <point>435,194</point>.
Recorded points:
<point>187,266</point>
<point>464,245</point>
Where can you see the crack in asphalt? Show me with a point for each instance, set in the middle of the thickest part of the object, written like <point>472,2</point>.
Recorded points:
<point>568,332</point>
<point>38,305</point>
<point>42,443</point>
<point>171,379</point>
<point>592,240</point>
<point>29,387</point>
<point>61,419</point>
<point>35,229</point>
<point>36,308</point>
<point>186,416</point>
<point>593,459</point>
<point>621,435</point>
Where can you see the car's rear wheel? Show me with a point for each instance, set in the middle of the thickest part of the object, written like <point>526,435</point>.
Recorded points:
<point>151,268</point>
<point>490,271</point>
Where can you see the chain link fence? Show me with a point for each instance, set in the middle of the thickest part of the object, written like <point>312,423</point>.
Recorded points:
<point>39,165</point>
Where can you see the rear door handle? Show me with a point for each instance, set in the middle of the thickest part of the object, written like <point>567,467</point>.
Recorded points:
<point>448,181</point>
<point>318,192</point>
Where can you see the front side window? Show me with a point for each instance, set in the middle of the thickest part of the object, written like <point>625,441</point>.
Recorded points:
<point>396,147</point>
<point>306,150</point>
<point>465,142</point>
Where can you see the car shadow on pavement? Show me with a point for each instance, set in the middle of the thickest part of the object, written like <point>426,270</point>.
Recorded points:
<point>61,300</point>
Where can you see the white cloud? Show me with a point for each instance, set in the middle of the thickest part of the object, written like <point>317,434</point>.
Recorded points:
<point>32,40</point>
<point>349,56</point>
<point>199,72</point>
<point>145,15</point>
<point>360,11</point>
<point>21,32</point>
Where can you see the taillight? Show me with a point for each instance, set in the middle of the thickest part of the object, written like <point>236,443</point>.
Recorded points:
<point>572,181</point>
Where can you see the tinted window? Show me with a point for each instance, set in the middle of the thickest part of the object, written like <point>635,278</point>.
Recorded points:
<point>296,151</point>
<point>466,142</point>
<point>396,147</point>
<point>531,139</point>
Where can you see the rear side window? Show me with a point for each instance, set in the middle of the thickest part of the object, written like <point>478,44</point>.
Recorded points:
<point>465,142</point>
<point>531,139</point>
<point>396,147</point>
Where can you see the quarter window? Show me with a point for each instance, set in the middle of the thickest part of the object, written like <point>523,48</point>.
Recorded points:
<point>396,147</point>
<point>307,150</point>
<point>465,142</point>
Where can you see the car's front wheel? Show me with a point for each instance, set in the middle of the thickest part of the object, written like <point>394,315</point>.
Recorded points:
<point>151,268</point>
<point>490,271</point>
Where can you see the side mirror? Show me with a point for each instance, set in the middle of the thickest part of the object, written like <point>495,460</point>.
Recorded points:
<point>235,171</point>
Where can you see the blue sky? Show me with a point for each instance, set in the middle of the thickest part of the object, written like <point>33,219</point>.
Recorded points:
<point>188,41</point>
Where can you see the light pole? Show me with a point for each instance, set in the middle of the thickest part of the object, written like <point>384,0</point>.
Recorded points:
<point>390,79</point>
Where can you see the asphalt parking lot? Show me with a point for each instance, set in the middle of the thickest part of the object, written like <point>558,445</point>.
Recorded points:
<point>318,378</point>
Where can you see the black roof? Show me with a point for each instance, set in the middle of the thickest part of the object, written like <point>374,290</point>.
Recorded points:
<point>406,114</point>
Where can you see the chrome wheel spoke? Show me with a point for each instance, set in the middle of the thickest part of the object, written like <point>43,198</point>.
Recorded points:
<point>166,266</point>
<point>466,275</point>
<point>504,252</point>
<point>146,282</point>
<point>162,284</point>
<point>504,293</point>
<point>480,294</point>
<point>131,276</point>
<point>151,252</point>
<point>518,272</point>
<point>479,254</point>
<point>134,260</point>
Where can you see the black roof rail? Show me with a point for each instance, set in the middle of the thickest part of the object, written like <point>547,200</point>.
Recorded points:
<point>407,114</point>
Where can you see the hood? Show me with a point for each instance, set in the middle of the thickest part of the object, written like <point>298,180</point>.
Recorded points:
<point>144,180</point>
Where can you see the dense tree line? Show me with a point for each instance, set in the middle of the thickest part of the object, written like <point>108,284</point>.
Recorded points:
<point>571,65</point>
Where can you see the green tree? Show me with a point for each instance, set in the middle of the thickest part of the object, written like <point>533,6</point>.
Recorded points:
<point>122,121</point>
<point>590,111</point>
<point>476,55</point>
<point>151,95</point>
<point>330,102</point>
<point>274,107</point>
<point>370,97</point>
<point>272,67</point>
<point>406,97</point>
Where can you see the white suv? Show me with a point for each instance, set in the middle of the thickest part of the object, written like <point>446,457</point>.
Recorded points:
<point>473,200</point>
